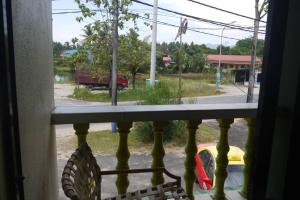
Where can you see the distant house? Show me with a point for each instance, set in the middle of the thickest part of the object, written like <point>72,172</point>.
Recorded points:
<point>231,62</point>
<point>68,53</point>
<point>238,64</point>
<point>167,60</point>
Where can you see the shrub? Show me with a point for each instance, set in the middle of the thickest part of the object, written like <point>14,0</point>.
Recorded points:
<point>160,95</point>
<point>80,93</point>
<point>144,131</point>
<point>177,132</point>
<point>174,131</point>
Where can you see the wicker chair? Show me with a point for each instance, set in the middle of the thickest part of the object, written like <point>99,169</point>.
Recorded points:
<point>81,180</point>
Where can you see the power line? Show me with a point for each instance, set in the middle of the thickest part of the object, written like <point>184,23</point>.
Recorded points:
<point>227,11</point>
<point>99,10</point>
<point>197,18</point>
<point>66,12</point>
<point>190,29</point>
<point>159,22</point>
<point>178,17</point>
<point>65,9</point>
<point>74,11</point>
<point>143,11</point>
<point>78,11</point>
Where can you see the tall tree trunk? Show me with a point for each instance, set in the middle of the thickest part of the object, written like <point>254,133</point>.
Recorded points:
<point>115,53</point>
<point>253,55</point>
<point>133,79</point>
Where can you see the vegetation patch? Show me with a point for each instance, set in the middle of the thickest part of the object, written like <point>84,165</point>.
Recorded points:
<point>86,94</point>
<point>106,142</point>
<point>167,92</point>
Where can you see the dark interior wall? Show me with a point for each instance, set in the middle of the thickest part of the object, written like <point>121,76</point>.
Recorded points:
<point>32,29</point>
<point>268,99</point>
<point>11,185</point>
<point>3,188</point>
<point>287,103</point>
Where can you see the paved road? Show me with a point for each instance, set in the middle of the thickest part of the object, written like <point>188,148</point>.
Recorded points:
<point>203,100</point>
<point>220,99</point>
<point>232,94</point>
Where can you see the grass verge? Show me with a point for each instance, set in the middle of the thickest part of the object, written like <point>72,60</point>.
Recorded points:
<point>105,142</point>
<point>193,85</point>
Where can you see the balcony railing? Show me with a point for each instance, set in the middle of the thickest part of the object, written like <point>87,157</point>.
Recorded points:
<point>82,116</point>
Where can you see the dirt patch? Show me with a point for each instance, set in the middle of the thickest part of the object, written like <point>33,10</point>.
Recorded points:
<point>62,91</point>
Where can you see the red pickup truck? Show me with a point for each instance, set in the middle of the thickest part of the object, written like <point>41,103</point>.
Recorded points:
<point>85,78</point>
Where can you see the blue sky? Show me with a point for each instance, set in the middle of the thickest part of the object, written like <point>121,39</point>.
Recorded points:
<point>65,27</point>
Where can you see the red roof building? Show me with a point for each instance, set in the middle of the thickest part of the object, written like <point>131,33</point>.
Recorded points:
<point>231,61</point>
<point>167,60</point>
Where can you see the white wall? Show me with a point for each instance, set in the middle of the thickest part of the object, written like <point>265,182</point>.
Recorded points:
<point>32,29</point>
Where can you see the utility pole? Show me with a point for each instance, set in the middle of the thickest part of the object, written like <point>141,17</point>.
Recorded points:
<point>259,14</point>
<point>180,63</point>
<point>153,47</point>
<point>253,55</point>
<point>218,74</point>
<point>115,54</point>
<point>182,30</point>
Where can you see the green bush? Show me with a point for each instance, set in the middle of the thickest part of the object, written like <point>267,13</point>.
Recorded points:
<point>79,93</point>
<point>174,131</point>
<point>161,94</point>
<point>144,131</point>
<point>177,132</point>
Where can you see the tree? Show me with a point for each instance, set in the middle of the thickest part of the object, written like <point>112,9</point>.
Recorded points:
<point>98,41</point>
<point>58,48</point>
<point>67,45</point>
<point>260,12</point>
<point>98,34</point>
<point>134,54</point>
<point>192,54</point>
<point>244,47</point>
<point>193,58</point>
<point>104,41</point>
<point>225,50</point>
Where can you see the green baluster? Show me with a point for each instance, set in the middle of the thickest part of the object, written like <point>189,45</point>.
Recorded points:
<point>222,159</point>
<point>81,130</point>
<point>248,155</point>
<point>122,155</point>
<point>190,163</point>
<point>158,151</point>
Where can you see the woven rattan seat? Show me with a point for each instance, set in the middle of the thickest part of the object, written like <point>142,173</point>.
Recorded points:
<point>81,180</point>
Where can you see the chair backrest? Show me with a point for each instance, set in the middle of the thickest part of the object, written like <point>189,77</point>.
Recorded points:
<point>81,178</point>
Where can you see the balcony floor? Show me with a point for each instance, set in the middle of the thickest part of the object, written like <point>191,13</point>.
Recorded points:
<point>230,195</point>
<point>173,161</point>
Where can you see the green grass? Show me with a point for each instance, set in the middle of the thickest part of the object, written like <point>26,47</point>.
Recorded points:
<point>124,95</point>
<point>60,69</point>
<point>104,142</point>
<point>193,85</point>
<point>207,134</point>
